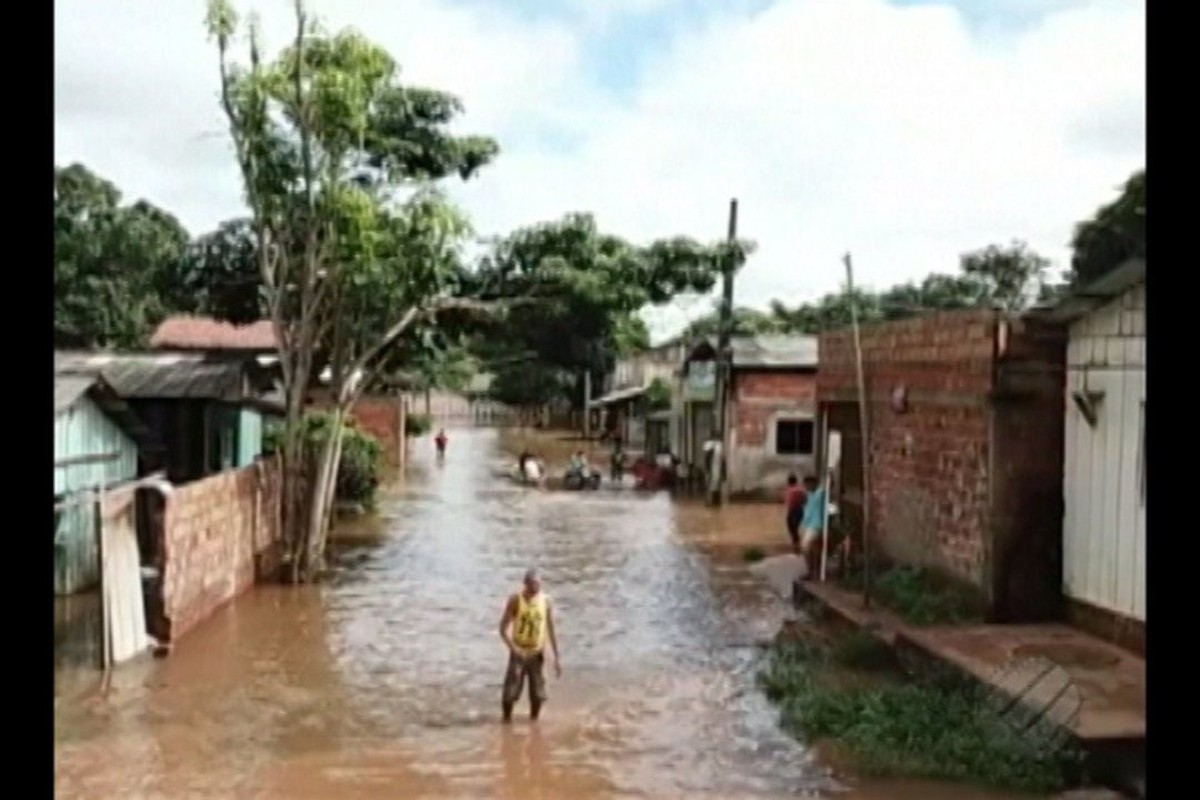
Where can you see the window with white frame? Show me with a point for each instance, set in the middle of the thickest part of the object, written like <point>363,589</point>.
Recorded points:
<point>794,437</point>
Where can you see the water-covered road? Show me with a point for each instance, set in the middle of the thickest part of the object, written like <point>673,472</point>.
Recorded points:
<point>384,682</point>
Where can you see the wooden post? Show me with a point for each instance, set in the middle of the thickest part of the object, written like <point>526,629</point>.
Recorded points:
<point>823,444</point>
<point>105,633</point>
<point>724,375</point>
<point>587,397</point>
<point>864,430</point>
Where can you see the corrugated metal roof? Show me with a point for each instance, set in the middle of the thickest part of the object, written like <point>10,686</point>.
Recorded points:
<point>69,388</point>
<point>769,351</point>
<point>619,395</point>
<point>775,351</point>
<point>1104,289</point>
<point>165,376</point>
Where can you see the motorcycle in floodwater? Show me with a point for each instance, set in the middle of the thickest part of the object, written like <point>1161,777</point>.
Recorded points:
<point>577,480</point>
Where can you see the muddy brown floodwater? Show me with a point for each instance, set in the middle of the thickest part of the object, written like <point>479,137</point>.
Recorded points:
<point>384,681</point>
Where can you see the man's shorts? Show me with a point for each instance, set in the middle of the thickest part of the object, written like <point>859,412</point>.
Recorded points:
<point>522,668</point>
<point>809,537</point>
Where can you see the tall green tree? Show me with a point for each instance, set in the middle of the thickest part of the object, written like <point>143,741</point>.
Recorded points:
<point>1010,277</point>
<point>1115,233</point>
<point>220,272</point>
<point>746,322</point>
<point>356,248</point>
<point>114,264</point>
<point>589,285</point>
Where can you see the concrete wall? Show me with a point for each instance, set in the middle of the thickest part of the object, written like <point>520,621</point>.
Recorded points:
<point>219,534</point>
<point>959,405</point>
<point>762,399</point>
<point>1104,526</point>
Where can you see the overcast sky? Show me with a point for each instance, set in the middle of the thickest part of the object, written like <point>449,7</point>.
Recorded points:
<point>904,132</point>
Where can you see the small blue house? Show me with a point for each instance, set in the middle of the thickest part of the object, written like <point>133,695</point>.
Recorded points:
<point>97,442</point>
<point>204,412</point>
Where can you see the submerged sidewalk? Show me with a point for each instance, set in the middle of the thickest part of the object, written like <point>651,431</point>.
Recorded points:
<point>1111,681</point>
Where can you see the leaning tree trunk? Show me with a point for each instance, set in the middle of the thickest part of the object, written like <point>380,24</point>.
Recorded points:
<point>330,489</point>
<point>322,496</point>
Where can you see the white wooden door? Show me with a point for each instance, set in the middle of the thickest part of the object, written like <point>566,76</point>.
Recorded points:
<point>1104,531</point>
<point>125,614</point>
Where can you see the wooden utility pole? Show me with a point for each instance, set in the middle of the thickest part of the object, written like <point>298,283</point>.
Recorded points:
<point>725,362</point>
<point>587,398</point>
<point>863,430</point>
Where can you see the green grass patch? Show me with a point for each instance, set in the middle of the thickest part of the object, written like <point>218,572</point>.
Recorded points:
<point>752,555</point>
<point>921,596</point>
<point>919,725</point>
<point>862,651</point>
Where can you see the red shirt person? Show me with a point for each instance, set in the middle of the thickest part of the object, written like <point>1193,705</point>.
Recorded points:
<point>794,498</point>
<point>440,440</point>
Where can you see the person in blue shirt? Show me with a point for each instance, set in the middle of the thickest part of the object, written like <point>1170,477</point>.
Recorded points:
<point>812,526</point>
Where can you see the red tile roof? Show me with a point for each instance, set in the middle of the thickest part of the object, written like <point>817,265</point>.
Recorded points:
<point>204,333</point>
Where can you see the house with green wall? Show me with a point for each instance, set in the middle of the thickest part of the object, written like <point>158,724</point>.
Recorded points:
<point>98,442</point>
<point>204,412</point>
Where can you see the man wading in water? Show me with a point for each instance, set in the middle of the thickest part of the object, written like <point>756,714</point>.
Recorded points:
<point>529,616</point>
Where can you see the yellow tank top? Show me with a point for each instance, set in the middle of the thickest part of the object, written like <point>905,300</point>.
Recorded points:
<point>529,623</point>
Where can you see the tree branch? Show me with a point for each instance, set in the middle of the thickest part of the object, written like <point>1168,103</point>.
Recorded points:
<point>406,320</point>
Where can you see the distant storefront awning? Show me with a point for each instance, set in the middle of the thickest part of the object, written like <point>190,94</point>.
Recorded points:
<point>618,396</point>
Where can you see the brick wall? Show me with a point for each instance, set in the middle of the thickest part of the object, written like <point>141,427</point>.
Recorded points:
<point>761,398</point>
<point>929,465</point>
<point>375,414</point>
<point>966,477</point>
<point>950,472</point>
<point>220,533</point>
<point>380,417</point>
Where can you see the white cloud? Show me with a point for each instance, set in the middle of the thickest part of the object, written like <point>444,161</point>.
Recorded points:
<point>895,133</point>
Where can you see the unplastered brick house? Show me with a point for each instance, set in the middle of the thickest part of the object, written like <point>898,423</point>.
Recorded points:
<point>965,413</point>
<point>772,413</point>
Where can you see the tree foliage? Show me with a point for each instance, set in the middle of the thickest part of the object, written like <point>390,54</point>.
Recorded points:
<point>1115,233</point>
<point>115,265</point>
<point>357,249</point>
<point>658,395</point>
<point>746,322</point>
<point>589,286</point>
<point>1009,277</point>
<point>221,272</point>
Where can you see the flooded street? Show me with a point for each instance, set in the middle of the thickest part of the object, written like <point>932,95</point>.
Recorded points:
<point>384,682</point>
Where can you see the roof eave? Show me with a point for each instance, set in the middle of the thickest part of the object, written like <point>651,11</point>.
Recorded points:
<point>1088,298</point>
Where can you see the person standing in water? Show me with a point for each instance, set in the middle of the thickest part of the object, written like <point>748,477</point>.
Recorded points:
<point>526,626</point>
<point>440,440</point>
<point>794,498</point>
